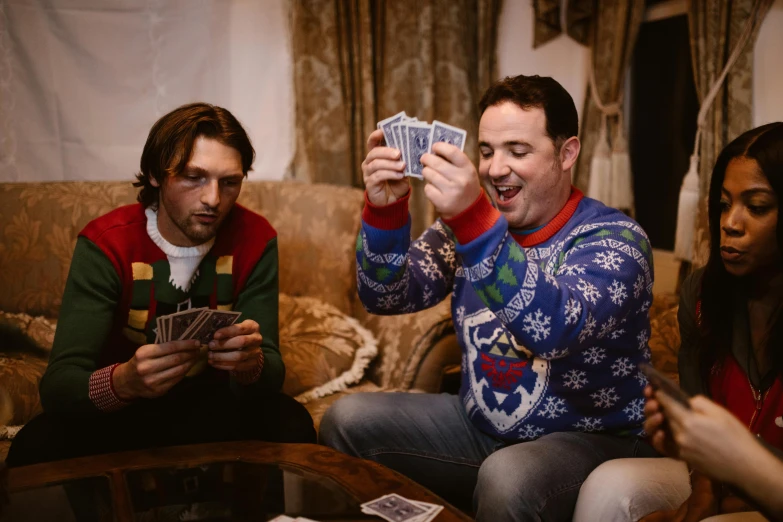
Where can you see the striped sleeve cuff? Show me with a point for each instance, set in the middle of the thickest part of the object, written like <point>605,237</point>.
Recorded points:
<point>251,376</point>
<point>102,392</point>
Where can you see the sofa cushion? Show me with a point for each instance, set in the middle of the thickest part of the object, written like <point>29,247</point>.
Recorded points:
<point>665,338</point>
<point>22,363</point>
<point>324,350</point>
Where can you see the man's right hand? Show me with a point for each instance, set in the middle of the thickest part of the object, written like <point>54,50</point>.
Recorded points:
<point>154,369</point>
<point>383,172</point>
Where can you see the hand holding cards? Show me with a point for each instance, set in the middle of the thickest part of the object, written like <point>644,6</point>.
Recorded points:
<point>198,324</point>
<point>415,138</point>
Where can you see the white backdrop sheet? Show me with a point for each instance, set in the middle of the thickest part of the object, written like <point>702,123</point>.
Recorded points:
<point>82,81</point>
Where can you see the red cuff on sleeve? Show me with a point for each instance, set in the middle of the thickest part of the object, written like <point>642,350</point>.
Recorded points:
<point>102,392</point>
<point>251,376</point>
<point>479,217</point>
<point>387,217</point>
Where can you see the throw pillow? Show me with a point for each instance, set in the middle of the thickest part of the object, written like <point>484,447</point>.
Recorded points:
<point>324,350</point>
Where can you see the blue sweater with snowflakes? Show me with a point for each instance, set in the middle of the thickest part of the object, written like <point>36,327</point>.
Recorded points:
<point>552,324</point>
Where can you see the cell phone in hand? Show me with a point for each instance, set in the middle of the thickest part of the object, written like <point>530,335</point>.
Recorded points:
<point>661,382</point>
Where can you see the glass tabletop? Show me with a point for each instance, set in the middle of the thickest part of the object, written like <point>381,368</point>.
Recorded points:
<point>212,492</point>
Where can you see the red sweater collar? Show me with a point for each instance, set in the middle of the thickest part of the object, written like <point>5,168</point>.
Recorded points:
<point>557,222</point>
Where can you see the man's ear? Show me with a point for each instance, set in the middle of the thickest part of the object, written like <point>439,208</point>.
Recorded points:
<point>569,151</point>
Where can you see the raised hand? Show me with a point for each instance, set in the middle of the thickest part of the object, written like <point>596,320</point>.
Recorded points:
<point>452,181</point>
<point>383,172</point>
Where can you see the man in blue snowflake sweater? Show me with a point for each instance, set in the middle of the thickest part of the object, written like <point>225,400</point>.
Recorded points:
<point>550,296</point>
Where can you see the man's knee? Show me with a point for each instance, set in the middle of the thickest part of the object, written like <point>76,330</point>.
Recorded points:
<point>628,489</point>
<point>503,488</point>
<point>296,423</point>
<point>343,421</point>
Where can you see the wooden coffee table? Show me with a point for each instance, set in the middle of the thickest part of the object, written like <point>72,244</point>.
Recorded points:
<point>222,481</point>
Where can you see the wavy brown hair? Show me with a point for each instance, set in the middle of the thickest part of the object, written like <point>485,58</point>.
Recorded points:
<point>764,145</point>
<point>170,144</point>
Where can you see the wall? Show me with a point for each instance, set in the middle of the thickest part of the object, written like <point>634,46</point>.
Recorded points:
<point>767,72</point>
<point>82,81</point>
<point>563,59</point>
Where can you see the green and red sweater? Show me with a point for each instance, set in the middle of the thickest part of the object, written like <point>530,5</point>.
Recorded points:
<point>120,281</point>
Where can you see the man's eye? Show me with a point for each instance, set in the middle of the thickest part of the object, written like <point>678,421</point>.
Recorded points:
<point>485,153</point>
<point>518,154</point>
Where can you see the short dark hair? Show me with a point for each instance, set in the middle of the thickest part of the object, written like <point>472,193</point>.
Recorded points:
<point>528,92</point>
<point>170,144</point>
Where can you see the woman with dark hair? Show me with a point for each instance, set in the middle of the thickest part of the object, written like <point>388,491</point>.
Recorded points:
<point>731,330</point>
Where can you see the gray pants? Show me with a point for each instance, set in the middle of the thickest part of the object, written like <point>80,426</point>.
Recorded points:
<point>430,439</point>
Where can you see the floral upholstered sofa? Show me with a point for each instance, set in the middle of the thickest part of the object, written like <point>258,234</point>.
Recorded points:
<point>330,345</point>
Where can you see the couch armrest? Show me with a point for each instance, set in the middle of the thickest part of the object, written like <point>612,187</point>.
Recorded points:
<point>405,345</point>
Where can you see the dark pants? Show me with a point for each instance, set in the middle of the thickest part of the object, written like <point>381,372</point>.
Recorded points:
<point>201,415</point>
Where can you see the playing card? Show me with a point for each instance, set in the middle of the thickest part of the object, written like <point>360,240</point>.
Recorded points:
<point>418,145</point>
<point>397,131</point>
<point>181,321</point>
<point>444,132</point>
<point>282,518</point>
<point>386,127</point>
<point>394,508</point>
<point>217,319</point>
<point>403,143</point>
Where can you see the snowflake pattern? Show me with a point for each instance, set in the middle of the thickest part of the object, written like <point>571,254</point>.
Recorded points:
<point>605,398</point>
<point>635,410</point>
<point>638,286</point>
<point>645,306</point>
<point>555,354</point>
<point>616,334</point>
<point>388,302</point>
<point>641,379</point>
<point>460,314</point>
<point>573,309</point>
<point>538,324</point>
<point>530,432</point>
<point>575,379</point>
<point>423,247</point>
<point>430,268</point>
<point>552,280</point>
<point>608,327</point>
<point>617,292</point>
<point>571,270</point>
<point>553,408</point>
<point>589,424</point>
<point>589,290</point>
<point>448,254</point>
<point>427,295</point>
<point>608,260</point>
<point>643,337</point>
<point>595,355</point>
<point>588,328</point>
<point>622,367</point>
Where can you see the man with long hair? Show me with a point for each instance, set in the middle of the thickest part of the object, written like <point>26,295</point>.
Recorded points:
<point>109,385</point>
<point>549,293</point>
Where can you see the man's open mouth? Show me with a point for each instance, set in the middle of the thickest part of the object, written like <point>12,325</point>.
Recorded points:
<point>506,194</point>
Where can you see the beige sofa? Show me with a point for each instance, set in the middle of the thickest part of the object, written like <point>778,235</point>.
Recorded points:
<point>327,339</point>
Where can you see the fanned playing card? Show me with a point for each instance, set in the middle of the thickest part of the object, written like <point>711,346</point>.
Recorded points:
<point>419,135</point>
<point>182,321</point>
<point>386,127</point>
<point>447,133</point>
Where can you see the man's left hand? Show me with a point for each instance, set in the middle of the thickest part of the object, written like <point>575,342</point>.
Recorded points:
<point>452,182</point>
<point>236,347</point>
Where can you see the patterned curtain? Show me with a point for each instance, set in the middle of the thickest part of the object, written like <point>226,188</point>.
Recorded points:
<point>613,31</point>
<point>548,24</point>
<point>715,27</point>
<point>359,61</point>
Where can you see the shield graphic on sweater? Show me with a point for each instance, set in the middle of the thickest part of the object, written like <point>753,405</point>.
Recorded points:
<point>506,381</point>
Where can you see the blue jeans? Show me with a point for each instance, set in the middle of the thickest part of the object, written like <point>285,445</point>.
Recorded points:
<point>430,439</point>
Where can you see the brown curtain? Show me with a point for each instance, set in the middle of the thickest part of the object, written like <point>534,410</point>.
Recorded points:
<point>715,27</point>
<point>613,30</point>
<point>359,61</point>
